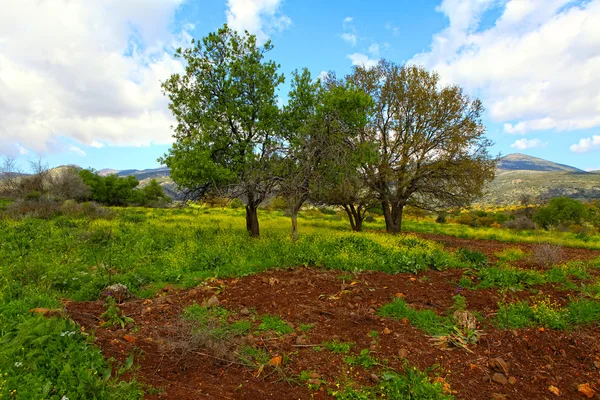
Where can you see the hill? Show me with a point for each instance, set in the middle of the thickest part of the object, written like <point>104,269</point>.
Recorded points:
<point>523,162</point>
<point>519,174</point>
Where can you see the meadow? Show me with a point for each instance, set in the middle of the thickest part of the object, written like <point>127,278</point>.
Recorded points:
<point>47,263</point>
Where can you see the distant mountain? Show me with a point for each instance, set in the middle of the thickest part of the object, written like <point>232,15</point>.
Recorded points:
<point>523,162</point>
<point>161,174</point>
<point>519,174</point>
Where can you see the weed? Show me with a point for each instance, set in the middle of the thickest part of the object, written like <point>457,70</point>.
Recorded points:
<point>275,324</point>
<point>426,320</point>
<point>363,359</point>
<point>338,347</point>
<point>306,327</point>
<point>113,315</point>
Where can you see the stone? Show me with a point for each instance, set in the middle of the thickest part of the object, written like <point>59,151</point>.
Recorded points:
<point>244,311</point>
<point>403,353</point>
<point>386,331</point>
<point>212,302</point>
<point>499,365</point>
<point>586,390</point>
<point>498,396</point>
<point>118,291</point>
<point>499,378</point>
<point>374,378</point>
<point>512,380</point>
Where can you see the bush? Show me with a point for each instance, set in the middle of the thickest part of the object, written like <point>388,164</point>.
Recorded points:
<point>441,218</point>
<point>521,223</point>
<point>548,254</point>
<point>561,210</point>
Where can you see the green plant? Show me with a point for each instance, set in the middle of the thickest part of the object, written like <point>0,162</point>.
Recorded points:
<point>113,315</point>
<point>275,324</point>
<point>426,320</point>
<point>338,347</point>
<point>363,359</point>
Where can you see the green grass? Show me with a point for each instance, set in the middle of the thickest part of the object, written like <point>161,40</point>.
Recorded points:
<point>275,324</point>
<point>426,320</point>
<point>338,347</point>
<point>542,312</point>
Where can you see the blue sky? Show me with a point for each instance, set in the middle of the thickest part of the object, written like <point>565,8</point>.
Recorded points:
<point>80,81</point>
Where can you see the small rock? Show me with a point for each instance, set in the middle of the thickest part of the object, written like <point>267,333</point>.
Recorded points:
<point>512,380</point>
<point>117,291</point>
<point>586,390</point>
<point>212,302</point>
<point>313,382</point>
<point>374,378</point>
<point>499,365</point>
<point>498,396</point>
<point>301,339</point>
<point>168,288</point>
<point>244,311</point>
<point>373,347</point>
<point>554,390</point>
<point>597,364</point>
<point>499,378</point>
<point>357,299</point>
<point>386,331</point>
<point>371,310</point>
<point>250,339</point>
<point>276,361</point>
<point>315,375</point>
<point>402,353</point>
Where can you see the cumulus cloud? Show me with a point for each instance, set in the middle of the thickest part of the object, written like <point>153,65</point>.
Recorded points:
<point>374,50</point>
<point>536,67</point>
<point>349,37</point>
<point>87,71</point>
<point>362,59</point>
<point>259,17</point>
<point>347,20</point>
<point>586,144</point>
<point>523,144</point>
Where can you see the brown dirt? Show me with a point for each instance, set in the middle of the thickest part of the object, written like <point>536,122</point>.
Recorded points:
<point>492,247</point>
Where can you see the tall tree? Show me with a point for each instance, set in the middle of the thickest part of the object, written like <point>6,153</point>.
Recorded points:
<point>342,119</point>
<point>431,148</point>
<point>300,153</point>
<point>227,115</point>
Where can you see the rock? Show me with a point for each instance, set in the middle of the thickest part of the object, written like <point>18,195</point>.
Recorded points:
<point>117,291</point>
<point>386,331</point>
<point>597,364</point>
<point>212,302</point>
<point>315,375</point>
<point>554,390</point>
<point>301,339</point>
<point>357,299</point>
<point>374,378</point>
<point>498,396</point>
<point>402,353</point>
<point>586,390</point>
<point>168,288</point>
<point>499,378</point>
<point>129,338</point>
<point>371,310</point>
<point>512,380</point>
<point>244,311</point>
<point>499,365</point>
<point>276,361</point>
<point>250,339</point>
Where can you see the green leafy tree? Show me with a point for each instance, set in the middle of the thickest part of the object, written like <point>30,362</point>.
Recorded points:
<point>430,143</point>
<point>227,118</point>
<point>561,210</point>
<point>342,121</point>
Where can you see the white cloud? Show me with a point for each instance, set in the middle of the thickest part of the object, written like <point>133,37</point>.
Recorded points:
<point>97,145</point>
<point>586,144</point>
<point>362,59</point>
<point>76,150</point>
<point>22,150</point>
<point>374,50</point>
<point>347,20</point>
<point>259,17</point>
<point>523,144</point>
<point>536,67</point>
<point>349,37</point>
<point>89,71</point>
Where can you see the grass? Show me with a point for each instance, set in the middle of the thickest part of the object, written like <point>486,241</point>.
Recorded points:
<point>338,347</point>
<point>543,312</point>
<point>44,261</point>
<point>426,320</point>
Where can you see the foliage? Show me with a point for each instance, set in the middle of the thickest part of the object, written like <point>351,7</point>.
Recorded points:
<point>113,316</point>
<point>338,347</point>
<point>561,210</point>
<point>51,359</point>
<point>226,109</point>
<point>275,324</point>
<point>428,141</point>
<point>426,320</point>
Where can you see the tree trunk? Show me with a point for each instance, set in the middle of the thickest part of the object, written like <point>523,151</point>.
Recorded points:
<point>354,216</point>
<point>294,224</point>
<point>393,217</point>
<point>252,220</point>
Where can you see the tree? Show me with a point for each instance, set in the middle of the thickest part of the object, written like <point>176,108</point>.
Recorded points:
<point>227,116</point>
<point>342,119</point>
<point>9,176</point>
<point>561,210</point>
<point>430,143</point>
<point>300,153</point>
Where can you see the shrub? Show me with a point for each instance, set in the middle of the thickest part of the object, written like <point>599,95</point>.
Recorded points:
<point>548,254</point>
<point>521,223</point>
<point>561,210</point>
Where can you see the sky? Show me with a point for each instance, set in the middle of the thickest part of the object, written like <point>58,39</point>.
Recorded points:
<point>80,79</point>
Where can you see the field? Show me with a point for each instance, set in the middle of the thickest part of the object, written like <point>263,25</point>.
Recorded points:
<point>446,311</point>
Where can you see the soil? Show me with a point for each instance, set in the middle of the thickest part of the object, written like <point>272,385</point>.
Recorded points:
<point>343,308</point>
